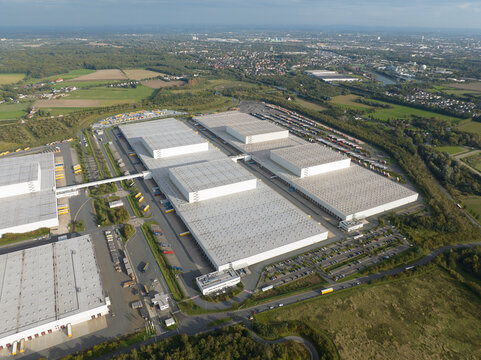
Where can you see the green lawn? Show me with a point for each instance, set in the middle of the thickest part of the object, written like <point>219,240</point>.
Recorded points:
<point>431,316</point>
<point>10,78</point>
<point>110,96</point>
<point>473,160</point>
<point>451,150</point>
<point>12,111</point>
<point>471,126</point>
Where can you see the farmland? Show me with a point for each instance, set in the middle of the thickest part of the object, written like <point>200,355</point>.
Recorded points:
<point>473,86</point>
<point>159,84</point>
<point>471,126</point>
<point>430,316</point>
<point>110,96</point>
<point>109,74</point>
<point>6,79</point>
<point>399,111</point>
<point>140,74</point>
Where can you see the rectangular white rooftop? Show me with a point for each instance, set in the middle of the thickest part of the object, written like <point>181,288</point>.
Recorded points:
<point>174,139</point>
<point>211,179</point>
<point>309,159</point>
<point>31,204</point>
<point>236,229</point>
<point>348,192</point>
<point>46,283</point>
<point>255,132</point>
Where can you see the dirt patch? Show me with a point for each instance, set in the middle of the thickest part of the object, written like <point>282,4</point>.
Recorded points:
<point>65,103</point>
<point>158,84</point>
<point>474,86</point>
<point>140,74</point>
<point>109,74</point>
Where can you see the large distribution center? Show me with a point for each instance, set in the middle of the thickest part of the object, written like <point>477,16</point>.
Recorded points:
<point>46,288</point>
<point>234,217</point>
<point>319,173</point>
<point>27,193</point>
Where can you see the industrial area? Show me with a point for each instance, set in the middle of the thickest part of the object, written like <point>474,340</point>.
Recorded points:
<point>229,203</point>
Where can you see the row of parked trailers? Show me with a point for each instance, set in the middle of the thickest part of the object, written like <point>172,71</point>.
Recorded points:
<point>114,254</point>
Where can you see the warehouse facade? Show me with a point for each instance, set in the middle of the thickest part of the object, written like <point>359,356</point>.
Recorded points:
<point>48,288</point>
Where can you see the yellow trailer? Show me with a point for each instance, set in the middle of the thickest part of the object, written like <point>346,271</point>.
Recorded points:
<point>138,195</point>
<point>326,291</point>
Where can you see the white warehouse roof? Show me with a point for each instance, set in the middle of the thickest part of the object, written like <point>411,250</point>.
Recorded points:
<point>47,283</point>
<point>30,203</point>
<point>309,159</point>
<point>347,192</point>
<point>211,179</point>
<point>236,229</point>
<point>254,132</point>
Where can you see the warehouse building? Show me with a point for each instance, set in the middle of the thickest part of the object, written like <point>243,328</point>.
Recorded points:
<point>235,219</point>
<point>27,193</point>
<point>48,288</point>
<point>320,174</point>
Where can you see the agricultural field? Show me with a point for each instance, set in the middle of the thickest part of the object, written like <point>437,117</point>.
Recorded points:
<point>470,126</point>
<point>472,86</point>
<point>12,111</point>
<point>140,74</point>
<point>451,150</point>
<point>102,75</point>
<point>432,316</point>
<point>159,84</point>
<point>349,101</point>
<point>107,96</point>
<point>10,78</point>
<point>66,103</point>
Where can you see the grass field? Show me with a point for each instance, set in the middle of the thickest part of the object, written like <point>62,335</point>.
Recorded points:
<point>473,160</point>
<point>399,111</point>
<point>66,103</point>
<point>427,317</point>
<point>451,150</point>
<point>349,101</point>
<point>12,111</point>
<point>308,105</point>
<point>10,78</point>
<point>471,126</point>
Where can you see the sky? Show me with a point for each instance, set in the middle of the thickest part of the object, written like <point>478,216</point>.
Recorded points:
<point>440,14</point>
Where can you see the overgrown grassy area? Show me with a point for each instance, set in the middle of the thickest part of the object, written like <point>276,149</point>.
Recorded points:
<point>429,316</point>
<point>308,104</point>
<point>11,238</point>
<point>349,101</point>
<point>169,276</point>
<point>451,150</point>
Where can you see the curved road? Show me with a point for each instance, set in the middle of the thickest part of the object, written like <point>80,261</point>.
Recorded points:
<point>197,324</point>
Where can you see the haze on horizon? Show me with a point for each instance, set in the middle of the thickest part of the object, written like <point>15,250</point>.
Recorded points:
<point>373,13</point>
